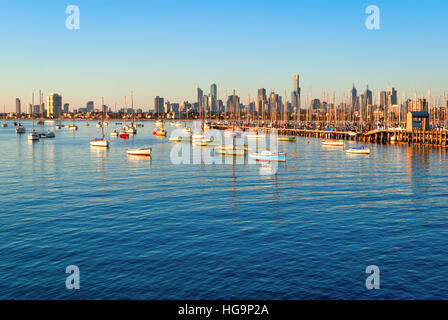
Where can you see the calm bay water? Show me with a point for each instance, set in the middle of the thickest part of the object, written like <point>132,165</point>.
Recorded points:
<point>150,229</point>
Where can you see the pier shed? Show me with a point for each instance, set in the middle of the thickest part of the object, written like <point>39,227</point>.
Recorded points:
<point>417,120</point>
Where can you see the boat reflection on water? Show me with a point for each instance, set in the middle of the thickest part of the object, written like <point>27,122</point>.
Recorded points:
<point>268,169</point>
<point>138,159</point>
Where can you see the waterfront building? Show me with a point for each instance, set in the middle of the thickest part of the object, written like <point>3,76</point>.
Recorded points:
<point>18,107</point>
<point>167,107</point>
<point>174,107</point>
<point>392,96</point>
<point>214,92</point>
<point>54,103</point>
<point>261,100</point>
<point>229,104</point>
<point>66,108</point>
<point>368,96</point>
<point>90,106</point>
<point>418,105</point>
<point>200,95</point>
<point>158,105</point>
<point>383,98</point>
<point>29,109</point>
<point>353,97</point>
<point>295,95</point>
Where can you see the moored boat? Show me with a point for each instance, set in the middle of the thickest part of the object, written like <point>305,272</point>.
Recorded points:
<point>47,135</point>
<point>100,143</point>
<point>123,135</point>
<point>286,138</point>
<point>20,129</point>
<point>358,150</point>
<point>269,156</point>
<point>139,152</point>
<point>33,136</point>
<point>333,143</point>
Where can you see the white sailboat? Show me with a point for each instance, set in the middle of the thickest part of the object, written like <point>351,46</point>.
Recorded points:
<point>132,129</point>
<point>4,124</point>
<point>33,135</point>
<point>101,142</point>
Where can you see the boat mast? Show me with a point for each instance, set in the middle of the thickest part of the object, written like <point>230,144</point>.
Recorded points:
<point>132,106</point>
<point>102,118</point>
<point>233,111</point>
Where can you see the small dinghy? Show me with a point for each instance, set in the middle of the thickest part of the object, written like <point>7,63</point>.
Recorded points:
<point>333,143</point>
<point>358,150</point>
<point>269,156</point>
<point>286,139</point>
<point>139,152</point>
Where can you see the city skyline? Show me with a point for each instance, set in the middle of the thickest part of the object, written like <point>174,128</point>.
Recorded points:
<point>151,49</point>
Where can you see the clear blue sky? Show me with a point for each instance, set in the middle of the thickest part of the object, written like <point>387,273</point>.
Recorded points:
<point>168,48</point>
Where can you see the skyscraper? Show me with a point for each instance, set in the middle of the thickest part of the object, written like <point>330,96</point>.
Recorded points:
<point>54,105</point>
<point>295,95</point>
<point>18,107</point>
<point>214,92</point>
<point>383,98</point>
<point>368,97</point>
<point>393,96</point>
<point>200,95</point>
<point>296,83</point>
<point>261,98</point>
<point>158,105</point>
<point>66,108</point>
<point>353,97</point>
<point>90,106</point>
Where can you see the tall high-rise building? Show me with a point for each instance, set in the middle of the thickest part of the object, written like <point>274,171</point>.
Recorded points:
<point>295,95</point>
<point>383,98</point>
<point>158,105</point>
<point>296,83</point>
<point>167,106</point>
<point>230,104</point>
<point>393,96</point>
<point>18,107</point>
<point>66,108</point>
<point>261,99</point>
<point>54,105</point>
<point>204,103</point>
<point>90,106</point>
<point>368,97</point>
<point>29,109</point>
<point>200,95</point>
<point>214,92</point>
<point>353,97</point>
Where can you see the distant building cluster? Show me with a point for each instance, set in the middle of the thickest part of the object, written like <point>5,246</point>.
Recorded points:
<point>386,106</point>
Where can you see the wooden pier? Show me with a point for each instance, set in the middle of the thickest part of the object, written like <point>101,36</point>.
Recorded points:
<point>419,137</point>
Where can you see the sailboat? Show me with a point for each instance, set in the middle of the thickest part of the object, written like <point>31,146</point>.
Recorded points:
<point>101,142</point>
<point>33,135</point>
<point>132,129</point>
<point>199,139</point>
<point>232,149</point>
<point>269,156</point>
<point>284,116</point>
<point>358,150</point>
<point>4,124</point>
<point>49,133</point>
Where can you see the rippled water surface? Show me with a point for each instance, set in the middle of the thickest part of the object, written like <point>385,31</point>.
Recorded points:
<point>150,229</point>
